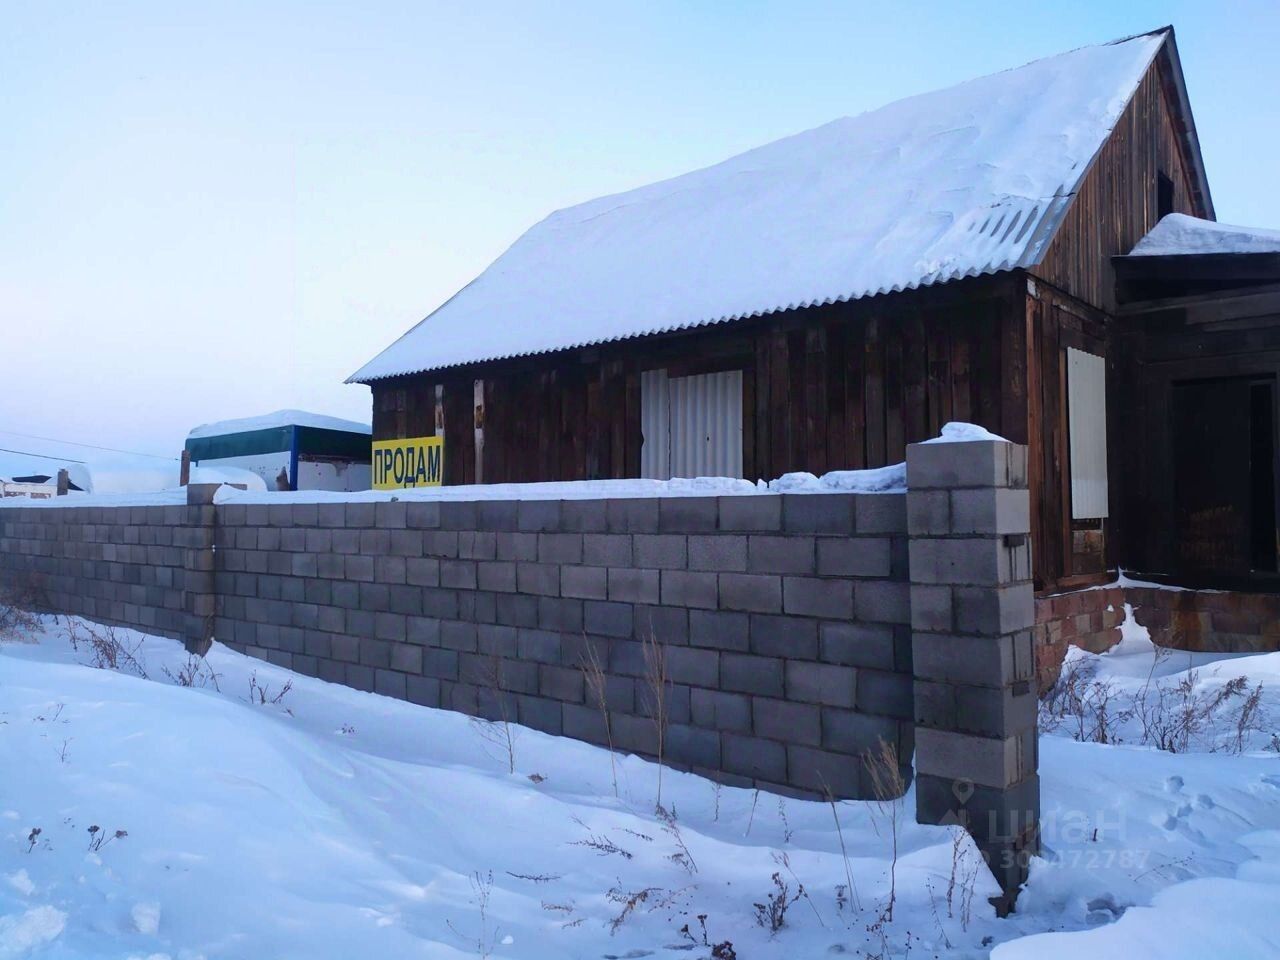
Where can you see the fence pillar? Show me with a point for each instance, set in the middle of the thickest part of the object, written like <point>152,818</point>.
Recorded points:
<point>199,597</point>
<point>972,610</point>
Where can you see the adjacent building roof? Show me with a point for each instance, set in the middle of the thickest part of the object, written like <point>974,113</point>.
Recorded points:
<point>1181,235</point>
<point>281,418</point>
<point>970,180</point>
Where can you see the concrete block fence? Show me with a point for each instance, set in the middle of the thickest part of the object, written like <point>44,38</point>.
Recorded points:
<point>800,630</point>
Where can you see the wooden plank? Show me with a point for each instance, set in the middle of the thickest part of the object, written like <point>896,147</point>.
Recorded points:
<point>961,388</point>
<point>895,434</point>
<point>874,396</point>
<point>854,395</point>
<point>837,429</point>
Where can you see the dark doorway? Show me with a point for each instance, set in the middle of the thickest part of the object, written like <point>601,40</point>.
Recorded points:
<point>1224,475</point>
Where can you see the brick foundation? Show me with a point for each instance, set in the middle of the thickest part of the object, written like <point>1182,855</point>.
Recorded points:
<point>1208,620</point>
<point>1089,619</point>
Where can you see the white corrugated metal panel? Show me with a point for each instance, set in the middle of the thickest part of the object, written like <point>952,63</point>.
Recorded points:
<point>655,426</point>
<point>1087,426</point>
<point>706,425</point>
<point>970,180</point>
<point>692,426</point>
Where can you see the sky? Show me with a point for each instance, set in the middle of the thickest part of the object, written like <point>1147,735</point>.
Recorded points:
<point>214,211</point>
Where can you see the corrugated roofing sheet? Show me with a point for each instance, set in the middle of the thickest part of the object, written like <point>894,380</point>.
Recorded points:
<point>965,181</point>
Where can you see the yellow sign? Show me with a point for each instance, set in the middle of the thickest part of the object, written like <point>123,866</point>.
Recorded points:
<point>411,462</point>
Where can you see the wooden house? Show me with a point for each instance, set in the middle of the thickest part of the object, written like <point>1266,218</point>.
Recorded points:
<point>820,302</point>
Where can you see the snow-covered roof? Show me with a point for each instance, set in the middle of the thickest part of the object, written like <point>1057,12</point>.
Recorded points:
<point>281,418</point>
<point>970,180</point>
<point>1180,235</point>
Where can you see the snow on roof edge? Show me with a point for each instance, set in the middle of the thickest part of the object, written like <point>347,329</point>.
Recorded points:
<point>1038,231</point>
<point>275,419</point>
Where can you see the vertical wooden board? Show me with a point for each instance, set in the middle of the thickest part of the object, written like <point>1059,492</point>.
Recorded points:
<point>596,452</point>
<point>875,393</point>
<point>895,433</point>
<point>915,374</point>
<point>779,413</point>
<point>763,433</point>
<point>814,390</point>
<point>797,432</point>
<point>1014,419</point>
<point>939,383</point>
<point>749,422</point>
<point>1043,550</point>
<point>633,437</point>
<point>615,402</point>
<point>836,371</point>
<point>854,393</point>
<point>961,398</point>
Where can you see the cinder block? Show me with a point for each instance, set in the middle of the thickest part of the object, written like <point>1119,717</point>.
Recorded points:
<point>823,771</point>
<point>630,585</point>
<point>854,644</point>
<point>440,664</point>
<point>638,515</point>
<point>423,515</point>
<point>928,513</point>
<point>389,569</point>
<point>406,658</point>
<point>585,583</point>
<point>458,515</point>
<point>932,608</point>
<point>660,551</point>
<point>823,683</point>
<point>669,625</point>
<point>607,618</point>
<point>406,543</point>
<point>718,552</point>
<point>693,666</point>
<point>856,734</point>
<point>458,635</point>
<point>719,630</point>
<point>978,463</point>
<point>607,550</point>
<point>497,515</point>
<point>560,547</point>
<point>882,601</point>
<point>778,554</point>
<point>786,721</point>
<point>440,543</point>
<point>583,516</point>
<point>1001,713</point>
<point>934,704</point>
<point>687,514</point>
<point>980,760</point>
<point>807,596</point>
<point>389,626</point>
<point>685,588</point>
<point>517,610</point>
<point>560,614</point>
<point>516,546</point>
<point>993,610</point>
<point>829,513</point>
<point>690,746</point>
<point>390,514</point>
<point>991,510</point>
<point>540,714</point>
<point>424,691</point>
<point>563,684</point>
<point>495,639</point>
<point>538,578</point>
<point>784,636</point>
<point>980,661</point>
<point>423,571</point>
<point>720,710</point>
<point>885,693</point>
<point>537,516</point>
<point>751,592</point>
<point>458,574</point>
<point>743,673</point>
<point>751,513</point>
<point>375,653</point>
<point>754,757</point>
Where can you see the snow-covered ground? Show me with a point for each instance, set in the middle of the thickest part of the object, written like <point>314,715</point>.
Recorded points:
<point>336,823</point>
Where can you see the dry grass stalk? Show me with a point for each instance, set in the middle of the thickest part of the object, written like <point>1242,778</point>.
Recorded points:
<point>594,677</point>
<point>656,680</point>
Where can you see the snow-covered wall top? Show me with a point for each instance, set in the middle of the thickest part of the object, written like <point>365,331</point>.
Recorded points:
<point>965,181</point>
<point>281,418</point>
<point>1181,235</point>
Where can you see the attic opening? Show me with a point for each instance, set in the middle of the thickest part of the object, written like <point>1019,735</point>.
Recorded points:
<point>1164,195</point>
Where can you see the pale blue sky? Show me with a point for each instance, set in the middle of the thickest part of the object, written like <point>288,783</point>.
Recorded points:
<point>220,211</point>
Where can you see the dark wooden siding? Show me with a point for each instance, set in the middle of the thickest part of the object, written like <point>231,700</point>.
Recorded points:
<point>1117,201</point>
<point>839,387</point>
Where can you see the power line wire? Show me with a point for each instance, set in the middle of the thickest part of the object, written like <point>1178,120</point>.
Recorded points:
<point>74,443</point>
<point>42,456</point>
